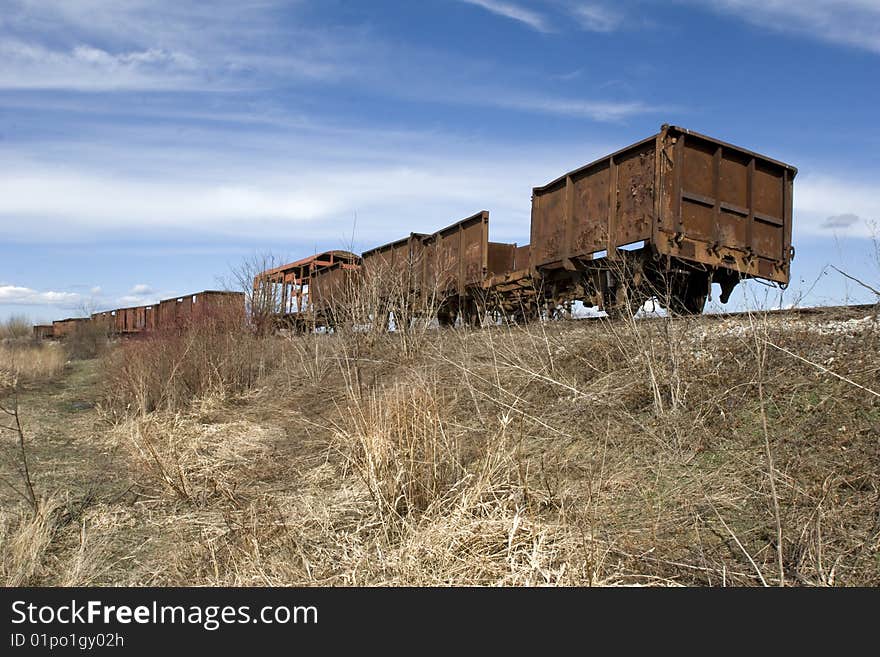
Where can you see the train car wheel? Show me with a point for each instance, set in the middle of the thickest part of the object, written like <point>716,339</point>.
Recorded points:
<point>688,293</point>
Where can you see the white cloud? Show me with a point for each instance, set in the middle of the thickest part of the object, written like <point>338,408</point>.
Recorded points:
<point>515,12</point>
<point>25,296</point>
<point>826,204</point>
<point>596,18</point>
<point>598,110</point>
<point>33,66</point>
<point>297,187</point>
<point>849,22</point>
<point>139,295</point>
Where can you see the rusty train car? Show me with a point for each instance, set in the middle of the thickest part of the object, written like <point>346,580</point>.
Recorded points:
<point>696,209</point>
<point>43,331</point>
<point>663,218</point>
<point>64,328</point>
<point>287,295</point>
<point>166,315</point>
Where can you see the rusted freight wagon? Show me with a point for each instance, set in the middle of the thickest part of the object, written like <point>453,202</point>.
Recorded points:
<point>64,328</point>
<point>501,258</point>
<point>457,262</point>
<point>282,295</point>
<point>43,331</point>
<point>396,267</point>
<point>664,217</point>
<point>332,291</point>
<point>208,305</point>
<point>105,321</point>
<point>136,319</point>
<point>392,278</point>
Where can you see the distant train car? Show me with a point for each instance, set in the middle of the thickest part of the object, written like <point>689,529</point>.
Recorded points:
<point>333,290</point>
<point>282,295</point>
<point>43,331</point>
<point>181,312</point>
<point>104,320</point>
<point>64,328</point>
<point>458,261</point>
<point>397,266</point>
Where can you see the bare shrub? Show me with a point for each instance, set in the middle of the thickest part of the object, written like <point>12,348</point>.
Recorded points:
<point>216,356</point>
<point>15,327</point>
<point>262,299</point>
<point>87,340</point>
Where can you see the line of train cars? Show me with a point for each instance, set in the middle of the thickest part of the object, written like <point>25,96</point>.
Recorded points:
<point>665,217</point>
<point>168,314</point>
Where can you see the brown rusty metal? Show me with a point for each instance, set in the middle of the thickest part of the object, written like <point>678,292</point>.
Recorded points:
<point>167,315</point>
<point>734,207</point>
<point>501,258</point>
<point>331,290</point>
<point>64,328</point>
<point>399,263</point>
<point>43,331</point>
<point>700,205</point>
<point>521,258</point>
<point>181,312</point>
<point>288,286</point>
<point>456,257</point>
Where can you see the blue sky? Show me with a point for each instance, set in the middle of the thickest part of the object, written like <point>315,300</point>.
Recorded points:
<point>147,146</point>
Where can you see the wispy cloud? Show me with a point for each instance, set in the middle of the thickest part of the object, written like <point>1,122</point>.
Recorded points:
<point>533,19</point>
<point>33,66</point>
<point>598,110</point>
<point>25,296</point>
<point>140,294</point>
<point>60,301</point>
<point>255,188</point>
<point>841,221</point>
<point>163,45</point>
<point>849,22</point>
<point>596,17</point>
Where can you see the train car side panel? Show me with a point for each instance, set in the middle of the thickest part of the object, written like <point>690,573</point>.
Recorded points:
<point>501,258</point>
<point>724,206</point>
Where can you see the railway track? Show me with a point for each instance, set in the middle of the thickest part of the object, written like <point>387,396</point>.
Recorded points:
<point>851,311</point>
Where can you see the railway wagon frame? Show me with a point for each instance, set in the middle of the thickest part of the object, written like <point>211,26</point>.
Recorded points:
<point>454,265</point>
<point>284,292</point>
<point>666,216</point>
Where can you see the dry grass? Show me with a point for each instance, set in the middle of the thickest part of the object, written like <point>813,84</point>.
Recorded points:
<point>686,452</point>
<point>24,539</point>
<point>24,361</point>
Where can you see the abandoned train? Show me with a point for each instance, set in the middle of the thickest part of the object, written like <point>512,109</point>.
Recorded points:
<point>663,218</point>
